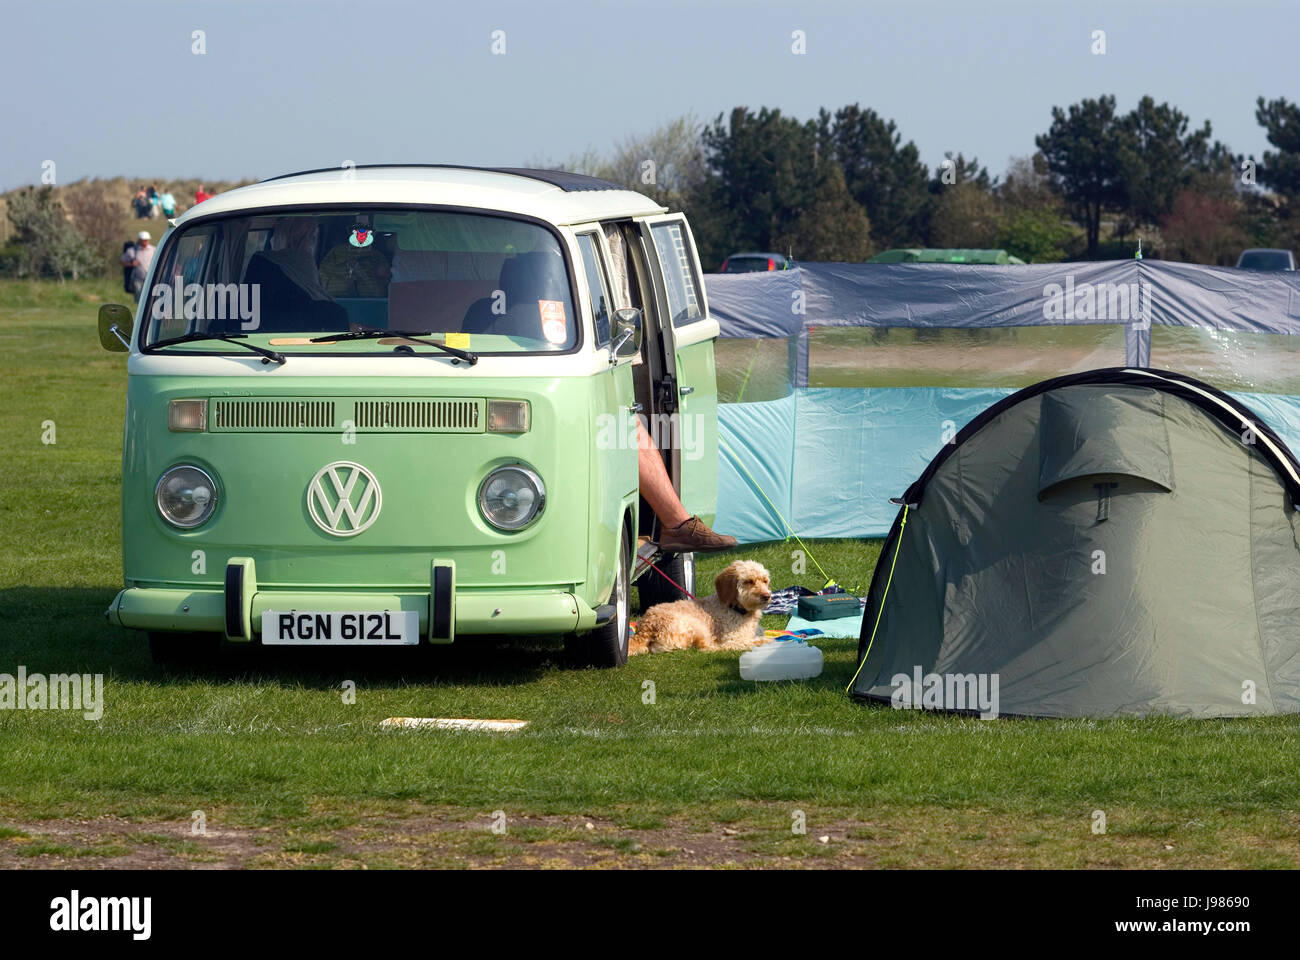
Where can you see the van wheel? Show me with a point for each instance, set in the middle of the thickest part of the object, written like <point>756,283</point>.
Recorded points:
<point>654,586</point>
<point>184,649</point>
<point>606,646</point>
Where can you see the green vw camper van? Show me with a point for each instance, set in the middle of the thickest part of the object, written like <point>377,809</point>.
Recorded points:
<point>391,405</point>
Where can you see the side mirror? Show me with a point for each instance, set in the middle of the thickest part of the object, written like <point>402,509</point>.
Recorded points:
<point>115,325</point>
<point>627,333</point>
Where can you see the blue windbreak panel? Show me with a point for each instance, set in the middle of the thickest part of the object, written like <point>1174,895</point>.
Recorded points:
<point>1280,412</point>
<point>755,458</point>
<point>829,459</point>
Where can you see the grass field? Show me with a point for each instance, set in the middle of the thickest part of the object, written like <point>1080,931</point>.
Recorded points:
<point>265,753</point>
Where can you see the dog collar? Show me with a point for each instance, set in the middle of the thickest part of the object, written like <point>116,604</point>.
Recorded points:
<point>740,610</point>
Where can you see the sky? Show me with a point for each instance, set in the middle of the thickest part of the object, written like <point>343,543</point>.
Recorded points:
<point>117,88</point>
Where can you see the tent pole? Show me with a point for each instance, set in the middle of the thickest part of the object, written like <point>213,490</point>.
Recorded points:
<point>798,360</point>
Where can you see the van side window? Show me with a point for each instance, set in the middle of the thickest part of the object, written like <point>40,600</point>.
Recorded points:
<point>194,252</point>
<point>635,269</point>
<point>679,272</point>
<point>618,269</point>
<point>595,274</point>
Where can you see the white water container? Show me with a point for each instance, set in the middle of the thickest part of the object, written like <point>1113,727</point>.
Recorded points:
<point>781,660</point>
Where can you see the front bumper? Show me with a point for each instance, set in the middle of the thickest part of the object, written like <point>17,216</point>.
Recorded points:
<point>236,611</point>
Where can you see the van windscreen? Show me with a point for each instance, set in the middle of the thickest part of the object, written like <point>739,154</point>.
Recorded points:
<point>499,282</point>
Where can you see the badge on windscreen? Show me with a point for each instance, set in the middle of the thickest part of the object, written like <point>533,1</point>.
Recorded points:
<point>362,236</point>
<point>555,327</point>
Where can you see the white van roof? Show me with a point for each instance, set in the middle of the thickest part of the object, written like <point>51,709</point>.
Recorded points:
<point>552,195</point>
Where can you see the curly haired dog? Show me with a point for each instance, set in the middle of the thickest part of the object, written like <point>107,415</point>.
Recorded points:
<point>728,620</point>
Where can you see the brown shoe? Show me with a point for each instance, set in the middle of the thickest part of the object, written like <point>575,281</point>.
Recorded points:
<point>692,536</point>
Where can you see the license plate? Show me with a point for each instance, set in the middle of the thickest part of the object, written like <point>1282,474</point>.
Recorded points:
<point>341,628</point>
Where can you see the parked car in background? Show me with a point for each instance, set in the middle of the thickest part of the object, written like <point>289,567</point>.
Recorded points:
<point>945,255</point>
<point>1266,259</point>
<point>754,263</point>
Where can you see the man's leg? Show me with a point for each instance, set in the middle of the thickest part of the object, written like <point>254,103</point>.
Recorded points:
<point>680,532</point>
<point>656,485</point>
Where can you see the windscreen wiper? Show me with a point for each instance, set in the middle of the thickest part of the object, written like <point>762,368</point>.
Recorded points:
<point>268,356</point>
<point>374,333</point>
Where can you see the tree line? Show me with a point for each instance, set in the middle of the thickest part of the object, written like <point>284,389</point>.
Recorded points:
<point>844,185</point>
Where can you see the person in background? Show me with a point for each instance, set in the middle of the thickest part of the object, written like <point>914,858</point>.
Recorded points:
<point>141,258</point>
<point>200,194</point>
<point>140,203</point>
<point>153,201</point>
<point>168,204</point>
<point>128,257</point>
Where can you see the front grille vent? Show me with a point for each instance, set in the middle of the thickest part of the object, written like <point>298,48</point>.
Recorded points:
<point>367,415</point>
<point>272,414</point>
<point>420,416</point>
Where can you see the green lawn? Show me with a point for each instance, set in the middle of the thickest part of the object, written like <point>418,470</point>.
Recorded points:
<point>711,770</point>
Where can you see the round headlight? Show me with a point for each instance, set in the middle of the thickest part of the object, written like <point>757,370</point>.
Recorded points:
<point>510,498</point>
<point>186,496</point>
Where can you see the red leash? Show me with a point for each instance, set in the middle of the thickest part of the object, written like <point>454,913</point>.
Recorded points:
<point>671,580</point>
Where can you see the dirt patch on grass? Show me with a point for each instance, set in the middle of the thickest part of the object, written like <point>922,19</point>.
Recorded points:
<point>759,836</point>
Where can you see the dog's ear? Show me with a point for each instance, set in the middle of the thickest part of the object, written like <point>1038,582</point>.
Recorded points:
<point>727,585</point>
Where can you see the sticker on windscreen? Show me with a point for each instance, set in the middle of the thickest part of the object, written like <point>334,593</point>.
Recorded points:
<point>555,328</point>
<point>362,236</point>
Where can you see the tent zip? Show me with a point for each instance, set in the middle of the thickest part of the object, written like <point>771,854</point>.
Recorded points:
<point>898,545</point>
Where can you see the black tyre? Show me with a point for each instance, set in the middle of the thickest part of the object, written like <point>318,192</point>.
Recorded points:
<point>184,649</point>
<point>606,646</point>
<point>654,587</point>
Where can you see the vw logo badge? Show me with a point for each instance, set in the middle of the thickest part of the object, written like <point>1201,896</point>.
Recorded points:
<point>344,498</point>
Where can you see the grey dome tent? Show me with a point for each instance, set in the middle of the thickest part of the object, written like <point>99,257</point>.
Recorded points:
<point>1122,541</point>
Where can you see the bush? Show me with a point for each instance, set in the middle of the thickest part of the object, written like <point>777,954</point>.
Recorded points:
<point>11,257</point>
<point>1036,235</point>
<point>50,246</point>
